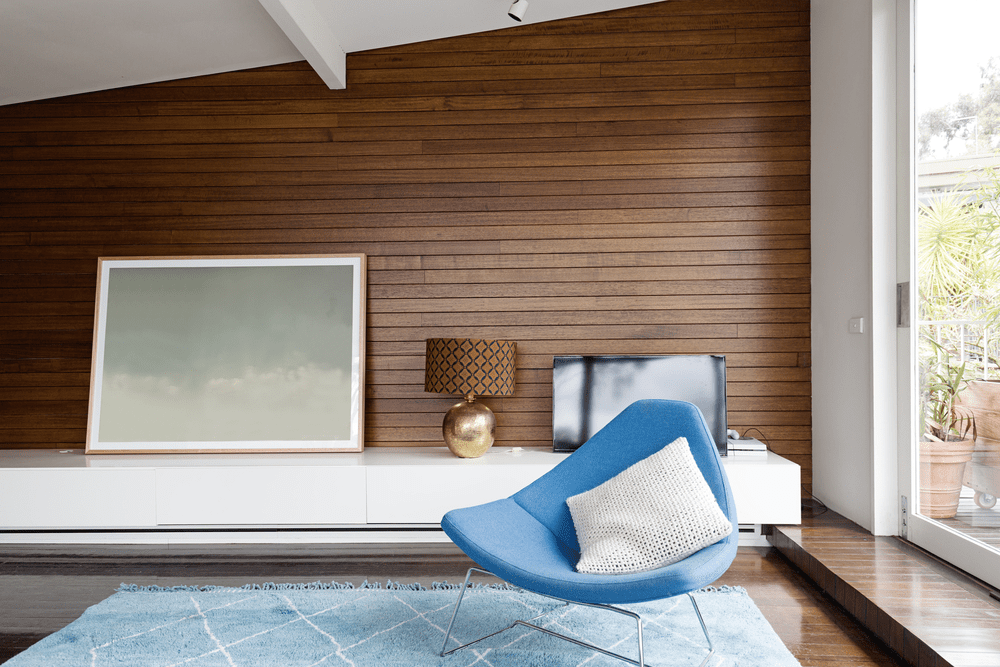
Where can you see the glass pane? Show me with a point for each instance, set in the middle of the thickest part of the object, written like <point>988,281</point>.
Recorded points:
<point>957,90</point>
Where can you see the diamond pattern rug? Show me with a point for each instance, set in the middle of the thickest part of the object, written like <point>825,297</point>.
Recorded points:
<point>325,625</point>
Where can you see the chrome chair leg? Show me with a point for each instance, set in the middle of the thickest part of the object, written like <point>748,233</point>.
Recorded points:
<point>458,603</point>
<point>639,663</point>
<point>711,649</point>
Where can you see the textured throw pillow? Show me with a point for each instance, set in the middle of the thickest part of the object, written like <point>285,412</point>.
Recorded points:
<point>656,512</point>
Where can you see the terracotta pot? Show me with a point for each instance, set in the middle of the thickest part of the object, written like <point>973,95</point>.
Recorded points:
<point>983,472</point>
<point>942,469</point>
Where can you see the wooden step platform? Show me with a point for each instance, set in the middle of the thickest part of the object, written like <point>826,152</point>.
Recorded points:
<point>924,610</point>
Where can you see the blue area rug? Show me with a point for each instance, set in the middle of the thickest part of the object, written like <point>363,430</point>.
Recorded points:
<point>327,625</point>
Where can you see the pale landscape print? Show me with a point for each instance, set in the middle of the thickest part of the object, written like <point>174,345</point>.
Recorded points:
<point>200,354</point>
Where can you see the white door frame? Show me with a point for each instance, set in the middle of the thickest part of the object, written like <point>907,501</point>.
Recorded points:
<point>962,551</point>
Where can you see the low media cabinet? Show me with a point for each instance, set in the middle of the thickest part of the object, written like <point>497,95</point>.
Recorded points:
<point>381,494</point>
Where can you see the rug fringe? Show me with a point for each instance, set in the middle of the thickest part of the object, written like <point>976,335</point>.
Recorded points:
<point>722,589</point>
<point>365,585</point>
<point>268,586</point>
<point>397,586</point>
<point>445,586</point>
<point>271,586</point>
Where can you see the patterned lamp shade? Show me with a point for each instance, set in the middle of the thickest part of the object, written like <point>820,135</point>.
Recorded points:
<point>467,366</point>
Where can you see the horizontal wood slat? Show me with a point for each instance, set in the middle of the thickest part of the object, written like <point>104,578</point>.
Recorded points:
<point>633,182</point>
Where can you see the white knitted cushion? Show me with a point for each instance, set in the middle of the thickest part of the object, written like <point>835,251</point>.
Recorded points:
<point>656,512</point>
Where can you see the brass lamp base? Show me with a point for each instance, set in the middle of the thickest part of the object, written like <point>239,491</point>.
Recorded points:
<point>469,428</point>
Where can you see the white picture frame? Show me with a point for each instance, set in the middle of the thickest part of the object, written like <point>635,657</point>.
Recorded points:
<point>228,354</point>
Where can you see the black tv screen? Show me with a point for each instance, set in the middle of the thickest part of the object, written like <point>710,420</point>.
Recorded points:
<point>589,391</point>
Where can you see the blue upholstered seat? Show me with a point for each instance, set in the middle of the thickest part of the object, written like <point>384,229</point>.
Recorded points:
<point>529,540</point>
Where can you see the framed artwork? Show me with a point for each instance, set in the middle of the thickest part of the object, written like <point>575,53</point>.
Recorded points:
<point>228,354</point>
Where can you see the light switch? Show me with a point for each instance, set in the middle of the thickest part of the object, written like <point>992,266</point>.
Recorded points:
<point>856,325</point>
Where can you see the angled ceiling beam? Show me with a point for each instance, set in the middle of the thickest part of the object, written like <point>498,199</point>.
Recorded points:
<point>312,36</point>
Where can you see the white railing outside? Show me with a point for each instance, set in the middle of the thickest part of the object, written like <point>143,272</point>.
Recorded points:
<point>967,341</point>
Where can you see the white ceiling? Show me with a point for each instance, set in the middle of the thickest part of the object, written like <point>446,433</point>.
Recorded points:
<point>51,48</point>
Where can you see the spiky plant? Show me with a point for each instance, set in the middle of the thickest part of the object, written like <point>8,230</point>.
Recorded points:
<point>945,419</point>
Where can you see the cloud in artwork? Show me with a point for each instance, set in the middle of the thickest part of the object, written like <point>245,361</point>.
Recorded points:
<point>297,404</point>
<point>194,323</point>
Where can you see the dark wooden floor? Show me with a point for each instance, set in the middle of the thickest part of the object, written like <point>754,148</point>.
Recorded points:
<point>44,588</point>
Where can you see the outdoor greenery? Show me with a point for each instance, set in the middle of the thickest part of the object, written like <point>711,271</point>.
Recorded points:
<point>958,250</point>
<point>975,119</point>
<point>944,418</point>
<point>958,256</point>
<point>958,232</point>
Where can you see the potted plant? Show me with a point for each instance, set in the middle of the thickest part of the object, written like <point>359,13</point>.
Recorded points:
<point>959,285</point>
<point>982,474</point>
<point>949,438</point>
<point>982,398</point>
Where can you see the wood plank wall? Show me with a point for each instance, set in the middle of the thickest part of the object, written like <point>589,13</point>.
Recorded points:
<point>635,182</point>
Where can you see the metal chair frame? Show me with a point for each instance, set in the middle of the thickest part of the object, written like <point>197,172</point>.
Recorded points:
<point>528,624</point>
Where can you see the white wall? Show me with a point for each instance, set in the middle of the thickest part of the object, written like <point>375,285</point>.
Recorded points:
<point>854,263</point>
<point>842,257</point>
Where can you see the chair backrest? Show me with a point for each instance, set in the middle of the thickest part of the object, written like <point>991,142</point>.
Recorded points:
<point>639,431</point>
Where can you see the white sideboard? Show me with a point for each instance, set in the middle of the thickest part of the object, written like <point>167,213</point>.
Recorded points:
<point>381,494</point>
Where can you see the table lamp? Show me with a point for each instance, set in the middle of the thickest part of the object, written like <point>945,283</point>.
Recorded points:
<point>472,368</point>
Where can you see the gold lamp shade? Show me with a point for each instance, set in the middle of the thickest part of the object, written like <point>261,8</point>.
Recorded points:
<point>472,368</point>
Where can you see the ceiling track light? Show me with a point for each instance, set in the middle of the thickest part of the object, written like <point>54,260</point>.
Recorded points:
<point>518,9</point>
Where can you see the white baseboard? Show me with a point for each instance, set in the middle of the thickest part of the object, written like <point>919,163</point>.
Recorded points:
<point>750,536</point>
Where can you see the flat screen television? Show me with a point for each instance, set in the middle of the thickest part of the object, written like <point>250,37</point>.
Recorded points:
<point>589,391</point>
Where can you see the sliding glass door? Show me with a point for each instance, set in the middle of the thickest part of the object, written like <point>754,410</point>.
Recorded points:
<point>955,240</point>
